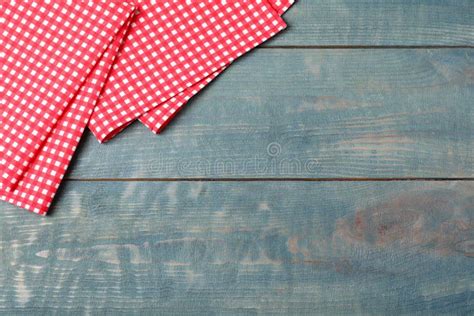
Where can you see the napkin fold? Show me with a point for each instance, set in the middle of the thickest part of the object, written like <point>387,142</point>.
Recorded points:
<point>66,65</point>
<point>157,119</point>
<point>55,58</point>
<point>172,47</point>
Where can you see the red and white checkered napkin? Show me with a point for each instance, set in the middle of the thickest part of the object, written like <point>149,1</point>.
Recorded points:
<point>67,64</point>
<point>159,117</point>
<point>174,48</point>
<point>55,57</point>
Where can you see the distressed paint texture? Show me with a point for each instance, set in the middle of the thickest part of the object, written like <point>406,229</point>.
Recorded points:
<point>244,248</point>
<point>379,23</point>
<point>311,114</point>
<point>297,108</point>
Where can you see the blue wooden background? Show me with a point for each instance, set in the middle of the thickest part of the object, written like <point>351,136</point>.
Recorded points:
<point>329,172</point>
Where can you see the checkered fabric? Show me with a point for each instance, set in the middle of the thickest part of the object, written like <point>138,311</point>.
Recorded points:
<point>55,57</point>
<point>281,6</point>
<point>102,63</point>
<point>172,47</point>
<point>157,119</point>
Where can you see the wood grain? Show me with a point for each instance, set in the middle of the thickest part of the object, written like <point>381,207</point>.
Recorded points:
<point>327,114</point>
<point>243,248</point>
<point>252,247</point>
<point>379,23</point>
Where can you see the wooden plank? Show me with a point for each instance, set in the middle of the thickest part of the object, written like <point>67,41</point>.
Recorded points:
<point>243,248</point>
<point>327,114</point>
<point>379,23</point>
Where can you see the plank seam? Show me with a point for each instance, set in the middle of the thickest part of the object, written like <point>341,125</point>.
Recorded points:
<point>263,179</point>
<point>367,47</point>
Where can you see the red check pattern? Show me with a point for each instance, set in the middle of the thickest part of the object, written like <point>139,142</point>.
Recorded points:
<point>174,46</point>
<point>157,119</point>
<point>281,6</point>
<point>54,59</point>
<point>66,65</point>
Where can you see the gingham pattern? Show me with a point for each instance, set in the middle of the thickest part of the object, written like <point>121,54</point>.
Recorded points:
<point>171,47</point>
<point>157,119</point>
<point>55,57</point>
<point>281,6</point>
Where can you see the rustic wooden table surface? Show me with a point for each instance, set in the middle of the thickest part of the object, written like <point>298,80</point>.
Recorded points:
<point>330,171</point>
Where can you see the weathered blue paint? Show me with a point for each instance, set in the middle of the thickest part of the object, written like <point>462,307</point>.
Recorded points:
<point>324,113</point>
<point>278,247</point>
<point>243,248</point>
<point>379,23</point>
